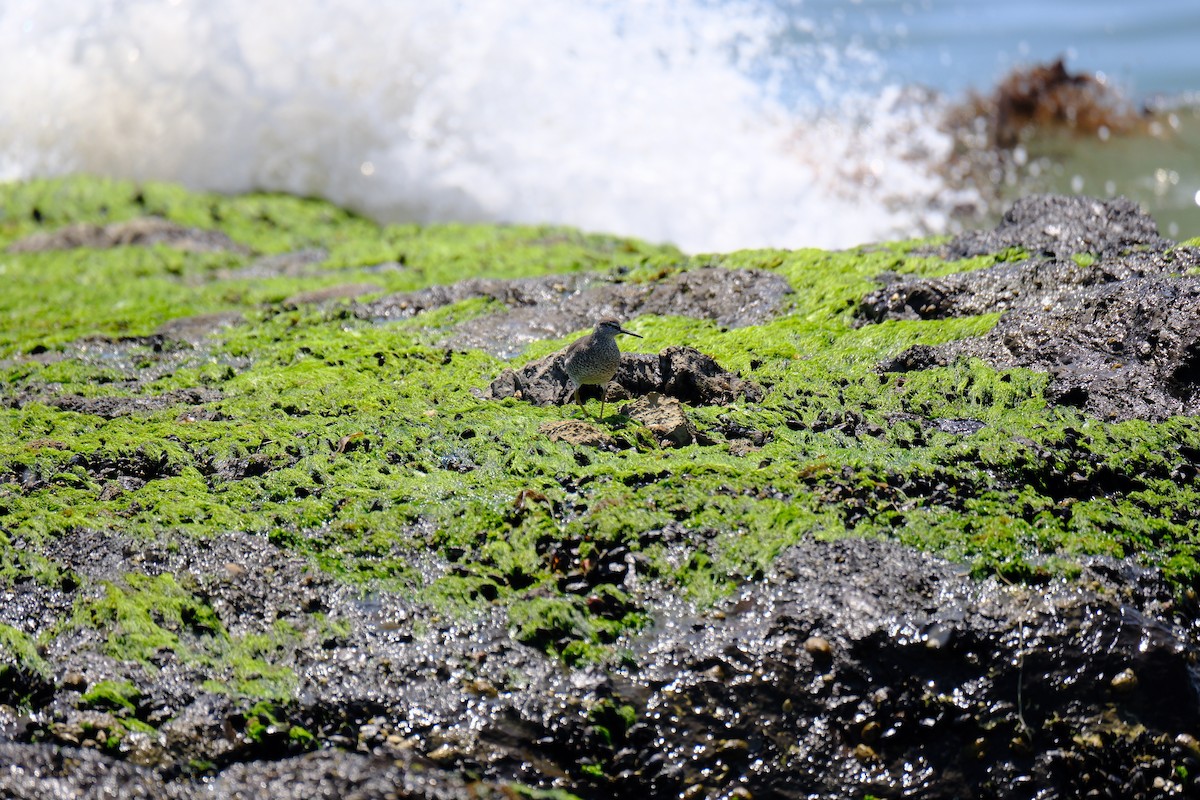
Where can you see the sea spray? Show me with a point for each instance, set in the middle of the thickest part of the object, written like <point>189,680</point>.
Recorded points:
<point>713,126</point>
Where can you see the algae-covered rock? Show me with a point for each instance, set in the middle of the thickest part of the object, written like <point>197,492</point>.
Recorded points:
<point>664,417</point>
<point>1105,306</point>
<point>264,533</point>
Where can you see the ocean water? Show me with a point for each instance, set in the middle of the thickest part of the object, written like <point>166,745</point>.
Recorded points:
<point>714,125</point>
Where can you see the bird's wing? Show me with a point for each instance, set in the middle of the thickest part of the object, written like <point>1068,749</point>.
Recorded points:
<point>575,346</point>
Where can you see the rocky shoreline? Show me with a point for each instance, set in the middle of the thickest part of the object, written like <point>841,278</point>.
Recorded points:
<point>953,558</point>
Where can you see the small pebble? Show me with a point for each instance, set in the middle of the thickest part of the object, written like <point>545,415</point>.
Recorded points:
<point>732,745</point>
<point>1124,681</point>
<point>864,752</point>
<point>75,681</point>
<point>818,646</point>
<point>1188,741</point>
<point>442,754</point>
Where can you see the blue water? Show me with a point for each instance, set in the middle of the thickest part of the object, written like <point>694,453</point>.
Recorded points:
<point>1147,48</point>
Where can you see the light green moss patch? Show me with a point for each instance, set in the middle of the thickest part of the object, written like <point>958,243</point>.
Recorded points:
<point>145,618</point>
<point>17,650</point>
<point>120,696</point>
<point>358,444</point>
<point>54,298</point>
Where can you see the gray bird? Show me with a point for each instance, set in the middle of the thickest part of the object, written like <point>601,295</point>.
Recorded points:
<point>594,358</point>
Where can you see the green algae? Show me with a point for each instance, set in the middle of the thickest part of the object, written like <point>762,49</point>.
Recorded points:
<point>144,618</point>
<point>121,696</point>
<point>357,444</point>
<point>265,722</point>
<point>19,652</point>
<point>57,297</point>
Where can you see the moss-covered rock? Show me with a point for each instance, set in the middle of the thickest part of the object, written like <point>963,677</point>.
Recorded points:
<point>252,472</point>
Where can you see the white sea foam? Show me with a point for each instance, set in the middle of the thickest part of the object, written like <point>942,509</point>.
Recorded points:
<point>712,125</point>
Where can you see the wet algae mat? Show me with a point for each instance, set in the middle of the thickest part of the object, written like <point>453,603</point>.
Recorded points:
<point>288,500</point>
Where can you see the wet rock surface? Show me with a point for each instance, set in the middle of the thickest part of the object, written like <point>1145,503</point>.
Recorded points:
<point>41,771</point>
<point>130,364</point>
<point>289,264</point>
<point>1104,305</point>
<point>922,681</point>
<point>195,329</point>
<point>556,305</point>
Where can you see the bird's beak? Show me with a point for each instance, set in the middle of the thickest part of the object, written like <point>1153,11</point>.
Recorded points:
<point>629,333</point>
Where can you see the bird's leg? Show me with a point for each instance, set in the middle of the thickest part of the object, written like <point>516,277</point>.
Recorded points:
<point>603,396</point>
<point>579,397</point>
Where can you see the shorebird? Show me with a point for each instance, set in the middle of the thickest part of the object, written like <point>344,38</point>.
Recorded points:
<point>594,358</point>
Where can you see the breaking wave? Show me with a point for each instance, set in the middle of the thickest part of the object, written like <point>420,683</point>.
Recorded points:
<point>712,125</point>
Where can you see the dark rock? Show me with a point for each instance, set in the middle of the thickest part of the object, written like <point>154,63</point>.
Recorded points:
<point>330,294</point>
<point>680,372</point>
<point>555,305</point>
<point>195,329</point>
<point>291,264</point>
<point>515,293</point>
<point>143,232</point>
<point>1118,331</point>
<point>917,357</point>
<point>1061,226</point>
<point>939,674</point>
<point>542,382</point>
<point>734,298</point>
<point>131,363</point>
<point>112,407</point>
<point>696,378</point>
<point>751,437</point>
<point>1129,350</point>
<point>51,771</point>
<point>959,427</point>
